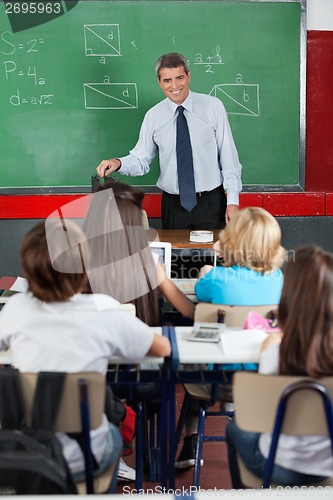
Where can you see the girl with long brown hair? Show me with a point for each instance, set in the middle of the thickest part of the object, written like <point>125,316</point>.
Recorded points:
<point>305,347</point>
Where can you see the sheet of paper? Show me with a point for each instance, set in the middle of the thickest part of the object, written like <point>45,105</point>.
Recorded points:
<point>243,342</point>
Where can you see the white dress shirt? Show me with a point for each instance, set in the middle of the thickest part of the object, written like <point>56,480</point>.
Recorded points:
<point>215,158</point>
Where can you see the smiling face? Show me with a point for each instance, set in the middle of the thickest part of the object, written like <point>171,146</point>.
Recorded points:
<point>175,83</point>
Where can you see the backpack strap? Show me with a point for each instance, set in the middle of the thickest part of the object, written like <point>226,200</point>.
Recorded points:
<point>11,401</point>
<point>46,402</point>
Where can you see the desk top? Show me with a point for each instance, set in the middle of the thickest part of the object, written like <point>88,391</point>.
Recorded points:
<point>243,346</point>
<point>180,238</point>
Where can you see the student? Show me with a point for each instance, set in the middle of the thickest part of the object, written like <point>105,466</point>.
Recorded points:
<point>304,348</point>
<point>249,275</point>
<point>252,255</point>
<point>56,327</point>
<point>123,265</point>
<point>216,166</point>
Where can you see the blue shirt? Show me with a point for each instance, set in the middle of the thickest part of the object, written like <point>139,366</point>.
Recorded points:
<point>240,286</point>
<point>215,158</point>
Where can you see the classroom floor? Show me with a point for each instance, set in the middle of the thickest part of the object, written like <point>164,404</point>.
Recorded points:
<point>214,472</point>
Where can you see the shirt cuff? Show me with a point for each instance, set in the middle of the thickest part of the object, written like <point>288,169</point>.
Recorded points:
<point>117,169</point>
<point>232,198</point>
<point>122,169</point>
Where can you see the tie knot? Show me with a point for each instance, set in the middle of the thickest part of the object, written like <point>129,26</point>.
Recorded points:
<point>180,110</point>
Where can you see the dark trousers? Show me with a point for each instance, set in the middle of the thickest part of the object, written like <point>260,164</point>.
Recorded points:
<point>209,213</point>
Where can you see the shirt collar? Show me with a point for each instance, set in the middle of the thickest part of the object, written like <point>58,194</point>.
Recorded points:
<point>187,104</point>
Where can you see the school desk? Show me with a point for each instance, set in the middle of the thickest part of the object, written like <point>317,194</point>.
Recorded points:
<point>170,371</point>
<point>180,239</point>
<point>189,364</point>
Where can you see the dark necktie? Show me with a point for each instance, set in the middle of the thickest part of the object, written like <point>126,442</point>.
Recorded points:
<point>187,195</point>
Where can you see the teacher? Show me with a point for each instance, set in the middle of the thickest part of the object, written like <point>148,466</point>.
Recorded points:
<point>200,172</point>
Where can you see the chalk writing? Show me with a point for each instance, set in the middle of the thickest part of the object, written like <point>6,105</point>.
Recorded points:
<point>10,48</point>
<point>238,98</point>
<point>11,67</point>
<point>110,95</point>
<point>209,60</point>
<point>102,40</point>
<point>43,99</point>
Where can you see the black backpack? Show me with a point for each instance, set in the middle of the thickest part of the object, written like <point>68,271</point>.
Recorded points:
<point>31,458</point>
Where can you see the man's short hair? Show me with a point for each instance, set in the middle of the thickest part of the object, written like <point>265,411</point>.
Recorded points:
<point>171,60</point>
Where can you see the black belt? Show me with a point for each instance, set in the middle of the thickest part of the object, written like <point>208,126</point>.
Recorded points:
<point>199,194</point>
<point>203,193</point>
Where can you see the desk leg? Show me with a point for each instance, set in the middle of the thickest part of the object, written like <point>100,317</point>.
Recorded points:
<point>164,425</point>
<point>172,437</point>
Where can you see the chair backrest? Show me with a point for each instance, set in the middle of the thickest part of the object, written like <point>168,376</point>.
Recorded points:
<point>69,418</point>
<point>234,315</point>
<point>256,399</point>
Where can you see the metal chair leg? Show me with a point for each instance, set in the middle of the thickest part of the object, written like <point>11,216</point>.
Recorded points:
<point>198,454</point>
<point>139,448</point>
<point>182,416</point>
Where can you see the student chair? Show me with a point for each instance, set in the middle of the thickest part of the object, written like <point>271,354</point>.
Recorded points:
<point>235,316</point>
<point>81,410</point>
<point>281,404</point>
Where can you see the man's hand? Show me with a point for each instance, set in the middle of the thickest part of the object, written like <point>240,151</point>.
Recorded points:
<point>230,212</point>
<point>108,166</point>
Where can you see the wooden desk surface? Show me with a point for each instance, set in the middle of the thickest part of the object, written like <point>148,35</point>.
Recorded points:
<point>180,238</point>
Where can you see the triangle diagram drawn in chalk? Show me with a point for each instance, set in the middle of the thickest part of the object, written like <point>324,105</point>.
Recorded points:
<point>110,96</point>
<point>238,99</point>
<point>102,40</point>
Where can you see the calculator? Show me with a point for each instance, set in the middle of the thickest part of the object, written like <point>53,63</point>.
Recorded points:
<point>206,332</point>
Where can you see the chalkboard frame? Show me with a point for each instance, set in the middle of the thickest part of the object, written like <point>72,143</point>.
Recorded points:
<point>300,186</point>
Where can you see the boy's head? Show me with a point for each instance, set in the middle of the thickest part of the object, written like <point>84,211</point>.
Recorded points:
<point>54,258</point>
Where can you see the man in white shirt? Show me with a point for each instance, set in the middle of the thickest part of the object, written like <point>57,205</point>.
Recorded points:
<point>216,166</point>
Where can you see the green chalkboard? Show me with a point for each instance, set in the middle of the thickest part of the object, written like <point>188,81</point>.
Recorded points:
<point>75,88</point>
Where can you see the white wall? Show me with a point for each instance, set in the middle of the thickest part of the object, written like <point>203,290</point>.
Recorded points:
<point>320,15</point>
